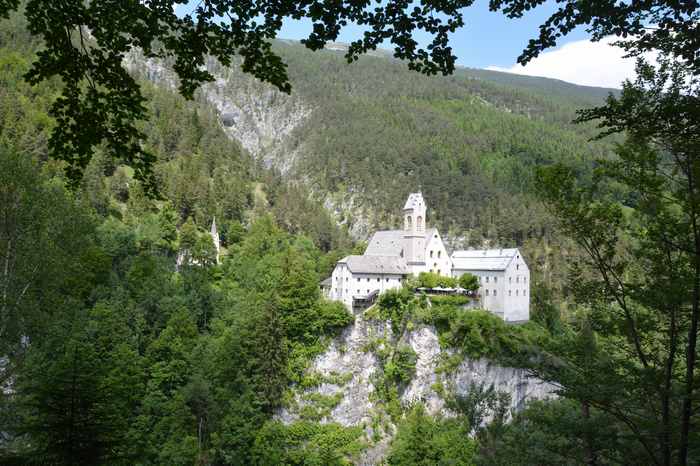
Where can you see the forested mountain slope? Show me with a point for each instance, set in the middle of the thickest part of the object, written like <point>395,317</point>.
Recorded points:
<point>363,135</point>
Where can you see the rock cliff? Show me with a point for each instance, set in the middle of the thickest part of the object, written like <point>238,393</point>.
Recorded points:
<point>344,382</point>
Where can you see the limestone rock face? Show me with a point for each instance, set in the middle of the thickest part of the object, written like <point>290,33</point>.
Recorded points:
<point>256,114</point>
<point>515,382</point>
<point>424,342</point>
<point>347,368</point>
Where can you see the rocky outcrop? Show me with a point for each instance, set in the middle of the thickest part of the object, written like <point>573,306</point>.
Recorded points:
<point>347,369</point>
<point>256,114</point>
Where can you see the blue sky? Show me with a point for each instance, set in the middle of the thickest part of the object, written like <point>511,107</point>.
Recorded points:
<point>490,40</point>
<point>487,39</point>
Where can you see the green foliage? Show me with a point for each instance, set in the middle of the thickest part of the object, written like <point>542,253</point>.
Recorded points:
<point>396,306</point>
<point>306,443</point>
<point>450,300</point>
<point>551,432</point>
<point>401,368</point>
<point>478,333</point>
<point>469,282</point>
<point>433,280</point>
<point>424,440</point>
<point>630,350</point>
<point>79,391</point>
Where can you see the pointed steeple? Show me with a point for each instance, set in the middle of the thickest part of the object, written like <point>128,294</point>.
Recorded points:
<point>215,238</point>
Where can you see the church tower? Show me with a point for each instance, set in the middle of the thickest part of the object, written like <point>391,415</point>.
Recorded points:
<point>414,227</point>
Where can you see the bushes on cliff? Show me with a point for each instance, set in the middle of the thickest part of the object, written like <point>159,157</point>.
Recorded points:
<point>424,440</point>
<point>307,443</point>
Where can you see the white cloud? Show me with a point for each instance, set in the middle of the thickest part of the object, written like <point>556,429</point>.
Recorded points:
<point>580,62</point>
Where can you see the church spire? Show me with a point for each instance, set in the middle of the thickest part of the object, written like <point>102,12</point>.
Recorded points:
<point>215,238</point>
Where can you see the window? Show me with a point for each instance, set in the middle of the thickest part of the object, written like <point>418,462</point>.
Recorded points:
<point>409,222</point>
<point>431,254</point>
<point>378,279</point>
<point>494,292</point>
<point>510,279</point>
<point>487,292</point>
<point>358,280</point>
<point>387,280</point>
<point>487,279</point>
<point>517,279</point>
<point>419,223</point>
<point>367,279</point>
<point>495,279</point>
<point>510,292</point>
<point>524,292</point>
<point>524,279</point>
<point>367,291</point>
<point>517,266</point>
<point>516,292</point>
<point>439,254</point>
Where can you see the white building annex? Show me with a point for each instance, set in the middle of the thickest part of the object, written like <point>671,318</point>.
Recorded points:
<point>504,280</point>
<point>392,255</point>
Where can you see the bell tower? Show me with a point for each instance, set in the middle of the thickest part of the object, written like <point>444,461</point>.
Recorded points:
<point>414,226</point>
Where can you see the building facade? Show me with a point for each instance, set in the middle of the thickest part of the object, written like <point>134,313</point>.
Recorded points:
<point>393,255</point>
<point>504,280</point>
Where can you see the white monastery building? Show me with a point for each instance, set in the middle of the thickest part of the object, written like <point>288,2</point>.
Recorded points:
<point>393,255</point>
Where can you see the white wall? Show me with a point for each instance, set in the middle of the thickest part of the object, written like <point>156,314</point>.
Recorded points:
<point>359,284</point>
<point>439,261</point>
<point>517,305</point>
<point>492,281</point>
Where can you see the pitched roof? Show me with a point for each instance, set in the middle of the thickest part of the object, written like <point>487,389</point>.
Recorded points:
<point>483,259</point>
<point>413,201</point>
<point>385,243</point>
<point>391,242</point>
<point>376,264</point>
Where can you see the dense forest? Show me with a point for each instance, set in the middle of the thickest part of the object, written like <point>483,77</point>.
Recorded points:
<point>125,339</point>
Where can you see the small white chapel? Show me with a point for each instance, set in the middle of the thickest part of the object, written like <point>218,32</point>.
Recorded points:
<point>393,255</point>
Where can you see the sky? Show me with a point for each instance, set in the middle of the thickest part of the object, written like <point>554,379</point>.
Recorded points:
<point>492,41</point>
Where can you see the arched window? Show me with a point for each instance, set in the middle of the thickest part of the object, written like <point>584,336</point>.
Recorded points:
<point>439,254</point>
<point>419,223</point>
<point>431,254</point>
<point>409,222</point>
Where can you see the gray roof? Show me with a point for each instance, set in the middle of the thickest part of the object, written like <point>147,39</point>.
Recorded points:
<point>327,282</point>
<point>391,242</point>
<point>385,243</point>
<point>376,264</point>
<point>483,259</point>
<point>414,200</point>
